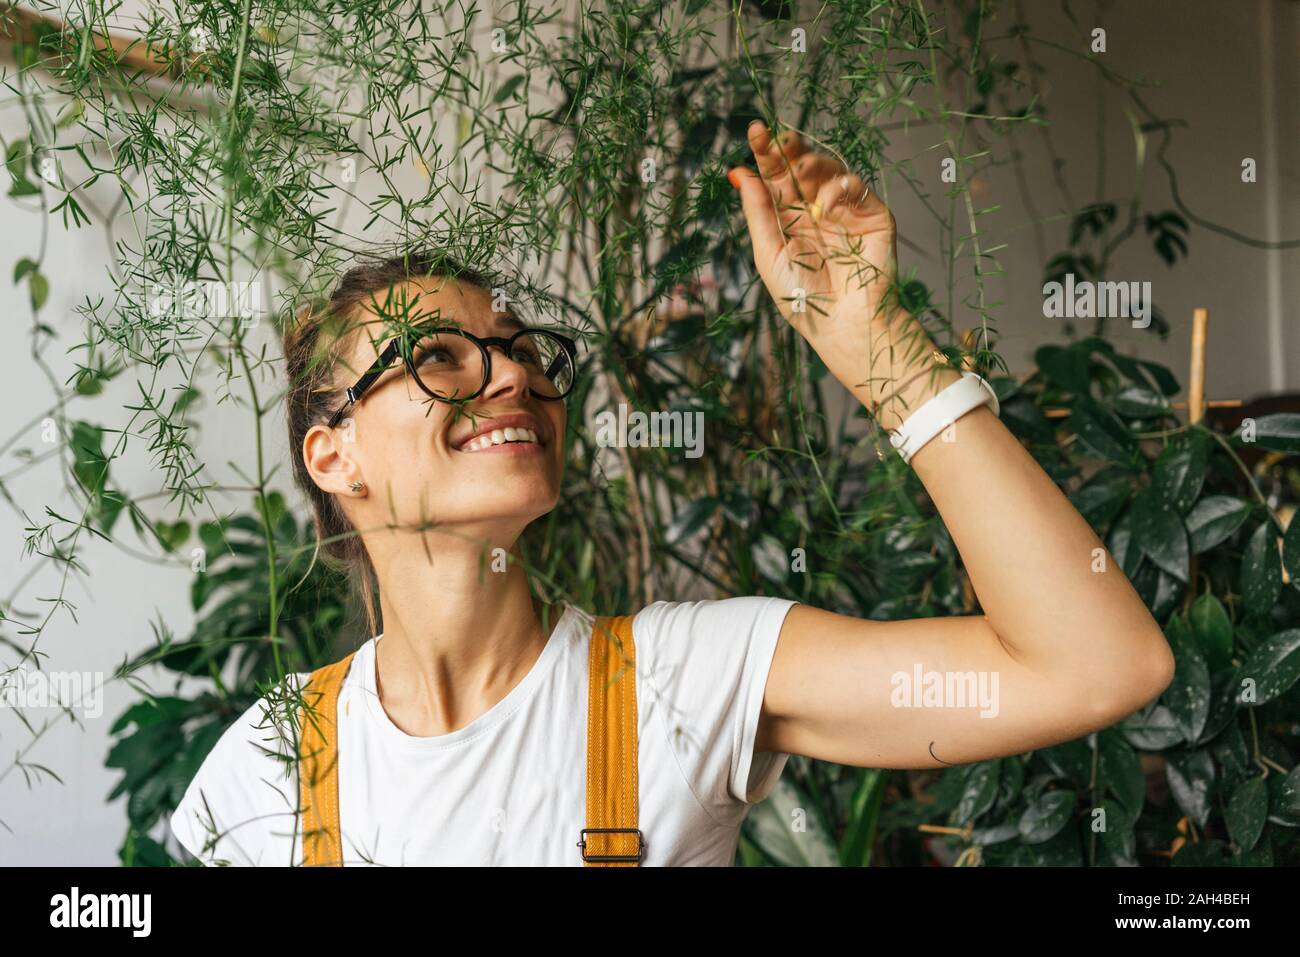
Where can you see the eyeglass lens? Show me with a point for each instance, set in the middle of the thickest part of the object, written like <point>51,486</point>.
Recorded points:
<point>450,365</point>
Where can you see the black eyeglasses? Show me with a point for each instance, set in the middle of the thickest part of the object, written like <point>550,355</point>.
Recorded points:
<point>452,365</point>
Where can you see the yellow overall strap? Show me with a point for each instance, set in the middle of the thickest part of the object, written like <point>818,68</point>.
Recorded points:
<point>318,767</point>
<point>611,837</point>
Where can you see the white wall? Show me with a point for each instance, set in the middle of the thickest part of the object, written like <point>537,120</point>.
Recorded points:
<point>1229,69</point>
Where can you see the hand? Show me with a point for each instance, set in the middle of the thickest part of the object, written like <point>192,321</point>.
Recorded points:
<point>825,247</point>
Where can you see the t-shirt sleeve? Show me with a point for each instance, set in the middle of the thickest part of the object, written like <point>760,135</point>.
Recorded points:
<point>707,663</point>
<point>241,807</point>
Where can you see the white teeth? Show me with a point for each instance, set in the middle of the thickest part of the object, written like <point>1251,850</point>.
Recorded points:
<point>500,437</point>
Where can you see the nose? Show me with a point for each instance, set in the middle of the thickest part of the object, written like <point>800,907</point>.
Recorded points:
<point>507,377</point>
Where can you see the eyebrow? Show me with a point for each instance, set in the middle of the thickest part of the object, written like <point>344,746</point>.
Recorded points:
<point>509,321</point>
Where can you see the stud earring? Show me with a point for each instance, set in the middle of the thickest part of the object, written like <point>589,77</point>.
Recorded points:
<point>356,486</point>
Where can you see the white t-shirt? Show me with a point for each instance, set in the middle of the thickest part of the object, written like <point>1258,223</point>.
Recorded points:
<point>509,788</point>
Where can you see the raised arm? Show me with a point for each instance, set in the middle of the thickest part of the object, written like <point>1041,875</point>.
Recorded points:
<point>1065,645</point>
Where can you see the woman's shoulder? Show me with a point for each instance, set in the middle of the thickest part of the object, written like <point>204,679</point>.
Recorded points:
<point>708,617</point>
<point>687,623</point>
<point>706,664</point>
<point>707,636</point>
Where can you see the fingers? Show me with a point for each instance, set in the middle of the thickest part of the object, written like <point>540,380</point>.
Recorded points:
<point>760,214</point>
<point>774,156</point>
<point>798,191</point>
<point>843,193</point>
<point>794,173</point>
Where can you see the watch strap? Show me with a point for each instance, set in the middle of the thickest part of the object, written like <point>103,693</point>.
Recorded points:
<point>941,410</point>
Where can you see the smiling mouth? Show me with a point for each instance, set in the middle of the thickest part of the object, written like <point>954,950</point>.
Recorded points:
<point>506,436</point>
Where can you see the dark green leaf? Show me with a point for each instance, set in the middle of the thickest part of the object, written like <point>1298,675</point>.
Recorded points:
<point>1191,779</point>
<point>1118,839</point>
<point>980,791</point>
<point>1143,373</point>
<point>1151,729</point>
<point>1272,668</point>
<point>1070,761</point>
<point>1137,402</point>
<point>1261,856</point>
<point>997,834</point>
<point>1246,812</point>
<point>1159,533</point>
<point>1213,519</point>
<point>1122,771</point>
<point>1179,472</point>
<point>1100,502</point>
<point>1026,420</point>
<point>1213,631</point>
<point>1229,747</point>
<point>1066,367</point>
<point>1284,798</point>
<point>141,850</point>
<point>1102,433</point>
<point>1188,695</point>
<point>1279,432</point>
<point>1046,816</point>
<point>1011,779</point>
<point>1120,544</point>
<point>1261,571</point>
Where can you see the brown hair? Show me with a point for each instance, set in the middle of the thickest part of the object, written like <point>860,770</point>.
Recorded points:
<point>313,344</point>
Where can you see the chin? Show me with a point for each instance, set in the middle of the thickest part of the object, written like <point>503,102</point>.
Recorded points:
<point>502,506</point>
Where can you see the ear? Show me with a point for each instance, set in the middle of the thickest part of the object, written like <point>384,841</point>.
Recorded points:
<point>329,457</point>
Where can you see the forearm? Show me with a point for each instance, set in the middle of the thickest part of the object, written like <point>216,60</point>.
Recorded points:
<point>902,374</point>
<point>1051,593</point>
<point>1056,599</point>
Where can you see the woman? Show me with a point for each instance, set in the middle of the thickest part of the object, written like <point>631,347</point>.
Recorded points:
<point>460,730</point>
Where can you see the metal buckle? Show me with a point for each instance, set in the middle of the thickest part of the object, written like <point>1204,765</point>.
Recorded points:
<point>613,858</point>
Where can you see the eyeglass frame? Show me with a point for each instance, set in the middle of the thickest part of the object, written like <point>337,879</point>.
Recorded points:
<point>385,361</point>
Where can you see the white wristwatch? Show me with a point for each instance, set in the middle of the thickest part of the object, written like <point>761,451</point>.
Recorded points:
<point>940,411</point>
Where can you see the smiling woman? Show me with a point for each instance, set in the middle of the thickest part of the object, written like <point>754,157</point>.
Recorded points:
<point>457,735</point>
<point>467,710</point>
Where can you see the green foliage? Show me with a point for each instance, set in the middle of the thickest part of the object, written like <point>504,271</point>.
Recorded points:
<point>162,741</point>
<point>1184,518</point>
<point>276,119</point>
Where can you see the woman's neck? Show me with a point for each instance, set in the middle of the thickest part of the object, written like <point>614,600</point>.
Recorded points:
<point>461,629</point>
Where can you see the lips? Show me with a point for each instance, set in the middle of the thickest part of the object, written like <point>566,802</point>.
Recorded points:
<point>502,430</point>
